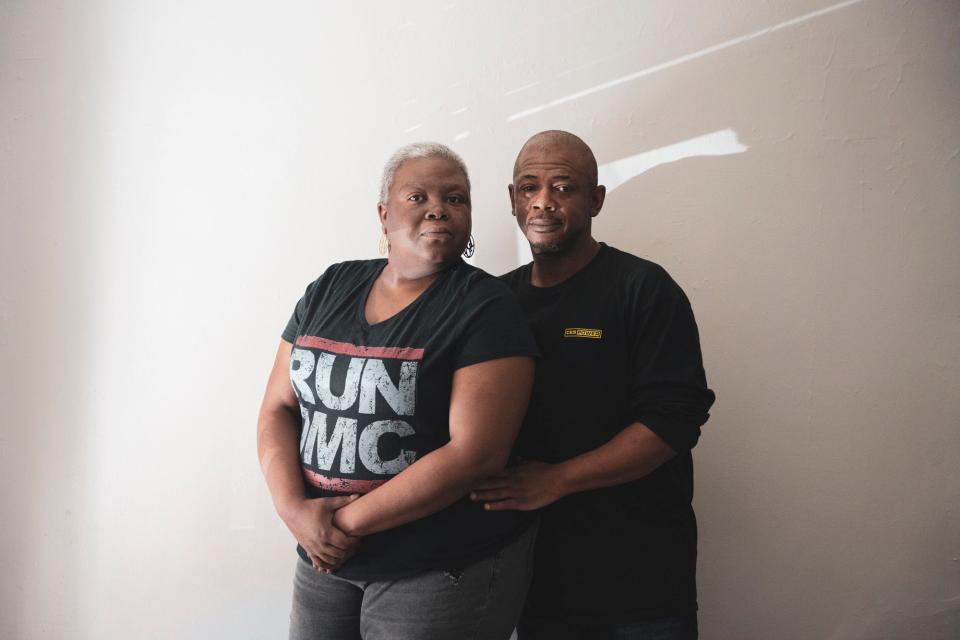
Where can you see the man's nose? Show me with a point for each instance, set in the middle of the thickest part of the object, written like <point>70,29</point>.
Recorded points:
<point>543,200</point>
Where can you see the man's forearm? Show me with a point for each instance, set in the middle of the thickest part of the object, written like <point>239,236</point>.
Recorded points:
<point>631,454</point>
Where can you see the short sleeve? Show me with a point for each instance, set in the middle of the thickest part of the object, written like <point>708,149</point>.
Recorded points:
<point>494,325</point>
<point>299,313</point>
<point>669,393</point>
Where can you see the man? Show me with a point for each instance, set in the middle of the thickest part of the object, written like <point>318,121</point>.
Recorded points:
<point>619,398</point>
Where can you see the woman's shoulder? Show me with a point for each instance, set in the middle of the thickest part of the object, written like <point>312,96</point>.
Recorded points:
<point>340,272</point>
<point>352,268</point>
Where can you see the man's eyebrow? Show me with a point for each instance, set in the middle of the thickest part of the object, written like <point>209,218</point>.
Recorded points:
<point>533,177</point>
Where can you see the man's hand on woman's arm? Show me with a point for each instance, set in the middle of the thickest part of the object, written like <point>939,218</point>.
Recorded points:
<point>309,520</point>
<point>631,454</point>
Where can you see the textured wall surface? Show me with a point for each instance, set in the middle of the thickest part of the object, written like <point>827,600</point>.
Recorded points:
<point>173,174</point>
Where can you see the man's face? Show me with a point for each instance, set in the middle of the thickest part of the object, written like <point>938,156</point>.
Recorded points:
<point>553,197</point>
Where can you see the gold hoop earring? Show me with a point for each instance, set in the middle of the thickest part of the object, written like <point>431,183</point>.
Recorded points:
<point>384,245</point>
<point>471,248</point>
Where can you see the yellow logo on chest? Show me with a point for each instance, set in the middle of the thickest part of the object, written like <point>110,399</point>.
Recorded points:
<point>578,332</point>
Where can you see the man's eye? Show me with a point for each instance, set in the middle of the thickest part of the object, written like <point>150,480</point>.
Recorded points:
<point>527,187</point>
<point>562,188</point>
<point>415,198</point>
<point>457,199</point>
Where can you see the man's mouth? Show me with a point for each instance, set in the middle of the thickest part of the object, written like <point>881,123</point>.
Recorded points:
<point>542,225</point>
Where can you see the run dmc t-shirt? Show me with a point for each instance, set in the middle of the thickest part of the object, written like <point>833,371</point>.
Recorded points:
<point>376,398</point>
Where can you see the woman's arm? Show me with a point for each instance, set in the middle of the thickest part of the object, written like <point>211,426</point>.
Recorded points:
<point>487,405</point>
<point>309,520</point>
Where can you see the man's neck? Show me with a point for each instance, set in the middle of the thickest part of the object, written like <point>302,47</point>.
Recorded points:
<point>550,270</point>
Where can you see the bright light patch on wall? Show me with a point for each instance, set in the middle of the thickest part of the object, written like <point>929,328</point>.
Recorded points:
<point>719,143</point>
<point>521,88</point>
<point>614,174</point>
<point>677,61</point>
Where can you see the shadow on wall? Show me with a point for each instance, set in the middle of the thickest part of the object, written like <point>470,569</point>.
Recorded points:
<point>47,246</point>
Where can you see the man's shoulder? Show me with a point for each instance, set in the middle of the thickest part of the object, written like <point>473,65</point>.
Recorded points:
<point>631,264</point>
<point>612,266</point>
<point>631,271</point>
<point>518,277</point>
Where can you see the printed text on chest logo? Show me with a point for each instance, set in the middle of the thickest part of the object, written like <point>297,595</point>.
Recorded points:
<point>362,419</point>
<point>578,332</point>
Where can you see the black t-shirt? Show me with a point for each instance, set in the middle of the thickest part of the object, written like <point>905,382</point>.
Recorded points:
<point>618,345</point>
<point>375,398</point>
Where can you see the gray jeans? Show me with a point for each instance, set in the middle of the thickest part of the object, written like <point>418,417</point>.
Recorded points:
<point>481,601</point>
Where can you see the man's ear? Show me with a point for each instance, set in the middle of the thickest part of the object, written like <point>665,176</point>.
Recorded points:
<point>513,209</point>
<point>598,196</point>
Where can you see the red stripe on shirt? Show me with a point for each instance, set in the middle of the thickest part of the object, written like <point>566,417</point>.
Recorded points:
<point>347,349</point>
<point>341,485</point>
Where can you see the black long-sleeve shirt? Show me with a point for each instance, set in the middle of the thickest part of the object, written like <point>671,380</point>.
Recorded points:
<point>618,345</point>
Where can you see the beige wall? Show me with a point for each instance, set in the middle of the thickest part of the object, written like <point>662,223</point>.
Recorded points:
<point>172,174</point>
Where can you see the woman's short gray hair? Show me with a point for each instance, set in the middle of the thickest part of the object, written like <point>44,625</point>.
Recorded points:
<point>417,150</point>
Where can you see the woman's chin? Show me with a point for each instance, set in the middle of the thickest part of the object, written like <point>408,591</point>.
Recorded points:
<point>442,254</point>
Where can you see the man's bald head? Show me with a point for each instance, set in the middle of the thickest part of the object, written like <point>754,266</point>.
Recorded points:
<point>555,195</point>
<point>556,140</point>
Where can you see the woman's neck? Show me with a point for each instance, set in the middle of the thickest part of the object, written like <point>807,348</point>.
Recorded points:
<point>400,274</point>
<point>395,288</point>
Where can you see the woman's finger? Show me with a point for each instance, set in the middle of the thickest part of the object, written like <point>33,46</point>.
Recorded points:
<point>323,565</point>
<point>329,560</point>
<point>338,539</point>
<point>331,554</point>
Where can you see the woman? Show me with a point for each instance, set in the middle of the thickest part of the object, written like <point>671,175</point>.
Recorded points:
<point>398,385</point>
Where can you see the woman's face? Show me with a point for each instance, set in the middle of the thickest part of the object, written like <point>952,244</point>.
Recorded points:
<point>427,213</point>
